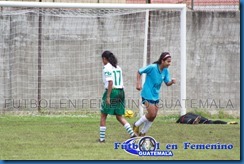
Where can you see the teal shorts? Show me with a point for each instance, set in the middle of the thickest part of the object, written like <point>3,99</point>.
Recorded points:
<point>117,102</point>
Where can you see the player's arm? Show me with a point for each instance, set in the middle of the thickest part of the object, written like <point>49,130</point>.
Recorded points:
<point>167,80</point>
<point>110,86</point>
<point>142,70</point>
<point>138,81</point>
<point>173,81</point>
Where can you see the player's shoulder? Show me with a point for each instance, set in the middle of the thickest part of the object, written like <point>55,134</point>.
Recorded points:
<point>118,67</point>
<point>107,66</point>
<point>153,65</point>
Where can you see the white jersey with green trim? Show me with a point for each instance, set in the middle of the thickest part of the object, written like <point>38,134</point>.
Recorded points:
<point>114,74</point>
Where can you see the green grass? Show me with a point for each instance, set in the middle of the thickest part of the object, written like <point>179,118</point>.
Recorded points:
<point>61,137</point>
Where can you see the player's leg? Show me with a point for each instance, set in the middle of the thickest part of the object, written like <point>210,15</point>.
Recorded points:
<point>151,115</point>
<point>102,127</point>
<point>105,110</point>
<point>120,110</point>
<point>152,111</point>
<point>126,125</point>
<point>143,119</point>
<point>118,103</point>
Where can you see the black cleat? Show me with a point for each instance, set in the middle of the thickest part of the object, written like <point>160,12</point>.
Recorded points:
<point>134,136</point>
<point>142,134</point>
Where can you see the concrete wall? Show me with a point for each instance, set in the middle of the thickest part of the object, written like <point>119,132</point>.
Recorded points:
<point>71,63</point>
<point>213,58</point>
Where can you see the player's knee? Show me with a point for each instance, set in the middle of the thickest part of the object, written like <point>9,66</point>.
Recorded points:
<point>151,119</point>
<point>151,116</point>
<point>119,118</point>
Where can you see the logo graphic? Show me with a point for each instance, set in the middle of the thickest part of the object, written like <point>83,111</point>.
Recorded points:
<point>145,146</point>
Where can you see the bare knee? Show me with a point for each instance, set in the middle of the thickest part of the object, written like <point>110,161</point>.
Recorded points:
<point>152,113</point>
<point>151,117</point>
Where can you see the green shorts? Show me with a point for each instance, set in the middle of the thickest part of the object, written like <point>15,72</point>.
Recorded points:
<point>117,102</point>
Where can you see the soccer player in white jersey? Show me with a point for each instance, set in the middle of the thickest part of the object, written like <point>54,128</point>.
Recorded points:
<point>113,100</point>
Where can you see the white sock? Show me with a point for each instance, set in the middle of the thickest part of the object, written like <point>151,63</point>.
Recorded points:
<point>102,133</point>
<point>141,120</point>
<point>146,127</point>
<point>143,128</point>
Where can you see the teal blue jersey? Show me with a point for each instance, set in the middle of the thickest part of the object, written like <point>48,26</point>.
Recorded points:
<point>153,82</point>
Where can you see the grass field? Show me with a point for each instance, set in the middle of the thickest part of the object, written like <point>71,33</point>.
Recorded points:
<point>73,137</point>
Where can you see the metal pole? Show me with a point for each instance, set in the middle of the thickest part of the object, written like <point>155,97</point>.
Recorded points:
<point>183,61</point>
<point>144,55</point>
<point>10,60</point>
<point>89,5</point>
<point>149,36</point>
<point>192,4</point>
<point>39,60</point>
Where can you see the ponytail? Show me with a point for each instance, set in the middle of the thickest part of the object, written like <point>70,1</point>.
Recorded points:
<point>110,57</point>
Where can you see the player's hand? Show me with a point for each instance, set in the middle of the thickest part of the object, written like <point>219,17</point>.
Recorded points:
<point>108,100</point>
<point>138,86</point>
<point>173,80</point>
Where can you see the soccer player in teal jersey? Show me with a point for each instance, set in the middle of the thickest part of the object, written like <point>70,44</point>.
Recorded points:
<point>113,100</point>
<point>157,73</point>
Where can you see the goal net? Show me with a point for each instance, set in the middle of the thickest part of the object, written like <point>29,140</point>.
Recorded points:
<point>50,53</point>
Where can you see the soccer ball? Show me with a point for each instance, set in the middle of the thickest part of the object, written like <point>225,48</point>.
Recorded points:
<point>129,113</point>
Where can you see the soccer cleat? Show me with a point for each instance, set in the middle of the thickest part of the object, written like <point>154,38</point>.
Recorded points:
<point>134,136</point>
<point>98,140</point>
<point>136,129</point>
<point>197,120</point>
<point>142,134</point>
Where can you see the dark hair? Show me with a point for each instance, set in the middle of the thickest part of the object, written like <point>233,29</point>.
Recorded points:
<point>110,57</point>
<point>162,57</point>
